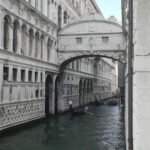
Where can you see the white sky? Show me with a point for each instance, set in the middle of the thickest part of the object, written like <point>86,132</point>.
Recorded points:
<point>110,8</point>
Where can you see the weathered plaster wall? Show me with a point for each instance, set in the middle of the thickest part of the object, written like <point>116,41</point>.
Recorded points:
<point>141,75</point>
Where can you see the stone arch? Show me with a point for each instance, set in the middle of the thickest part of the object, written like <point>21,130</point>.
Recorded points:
<point>23,39</point>
<point>15,35</point>
<point>48,94</point>
<point>37,39</point>
<point>120,57</point>
<point>31,38</point>
<point>7,22</point>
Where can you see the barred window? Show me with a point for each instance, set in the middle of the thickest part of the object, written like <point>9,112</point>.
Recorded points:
<point>36,76</point>
<point>105,39</point>
<point>14,74</point>
<point>22,75</point>
<point>30,76</point>
<point>79,40</point>
<point>5,73</point>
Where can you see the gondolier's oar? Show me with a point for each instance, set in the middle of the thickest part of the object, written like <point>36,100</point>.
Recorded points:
<point>90,113</point>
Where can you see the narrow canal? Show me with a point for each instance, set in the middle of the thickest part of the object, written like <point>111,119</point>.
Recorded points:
<point>104,131</point>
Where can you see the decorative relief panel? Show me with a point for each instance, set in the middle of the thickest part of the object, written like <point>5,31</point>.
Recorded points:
<point>20,112</point>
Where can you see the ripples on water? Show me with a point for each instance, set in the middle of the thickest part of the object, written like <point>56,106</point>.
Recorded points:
<point>104,131</point>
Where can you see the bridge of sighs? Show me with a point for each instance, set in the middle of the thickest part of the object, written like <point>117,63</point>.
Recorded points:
<point>91,38</point>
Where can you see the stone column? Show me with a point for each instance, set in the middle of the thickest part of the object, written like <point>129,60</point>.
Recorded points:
<point>39,76</point>
<point>52,102</point>
<point>26,80</point>
<point>39,48</point>
<point>33,75</point>
<point>26,74</point>
<point>39,5</point>
<point>10,73</point>
<point>19,74</point>
<point>45,7</point>
<point>27,44</point>
<point>10,46</point>
<point>1,81</point>
<point>62,16</point>
<point>19,41</point>
<point>33,3</point>
<point>33,48</point>
<point>45,49</point>
<point>33,80</point>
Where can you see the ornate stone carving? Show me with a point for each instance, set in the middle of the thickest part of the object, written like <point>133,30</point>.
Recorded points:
<point>20,112</point>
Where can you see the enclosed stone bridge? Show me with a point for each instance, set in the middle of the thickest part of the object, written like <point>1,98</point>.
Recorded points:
<point>91,38</point>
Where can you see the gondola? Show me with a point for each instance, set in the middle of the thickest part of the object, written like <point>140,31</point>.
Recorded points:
<point>98,103</point>
<point>112,103</point>
<point>77,112</point>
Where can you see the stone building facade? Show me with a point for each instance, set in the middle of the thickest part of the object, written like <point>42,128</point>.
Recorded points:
<point>136,29</point>
<point>30,86</point>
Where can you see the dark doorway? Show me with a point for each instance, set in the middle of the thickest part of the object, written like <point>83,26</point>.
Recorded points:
<point>56,95</point>
<point>80,93</point>
<point>48,94</point>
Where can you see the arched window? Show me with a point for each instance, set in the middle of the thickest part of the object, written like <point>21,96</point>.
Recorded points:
<point>30,41</point>
<point>49,46</point>
<point>36,44</point>
<point>15,35</point>
<point>42,46</point>
<point>59,16</point>
<point>65,17</point>
<point>7,22</point>
<point>23,39</point>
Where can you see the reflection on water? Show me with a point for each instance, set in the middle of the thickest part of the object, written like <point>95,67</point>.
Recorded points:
<point>104,131</point>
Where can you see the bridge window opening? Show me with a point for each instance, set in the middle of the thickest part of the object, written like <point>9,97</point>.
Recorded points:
<point>22,75</point>
<point>14,74</point>
<point>30,76</point>
<point>79,40</point>
<point>5,73</point>
<point>105,39</point>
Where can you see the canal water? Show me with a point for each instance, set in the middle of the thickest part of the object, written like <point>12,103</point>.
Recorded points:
<point>104,131</point>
